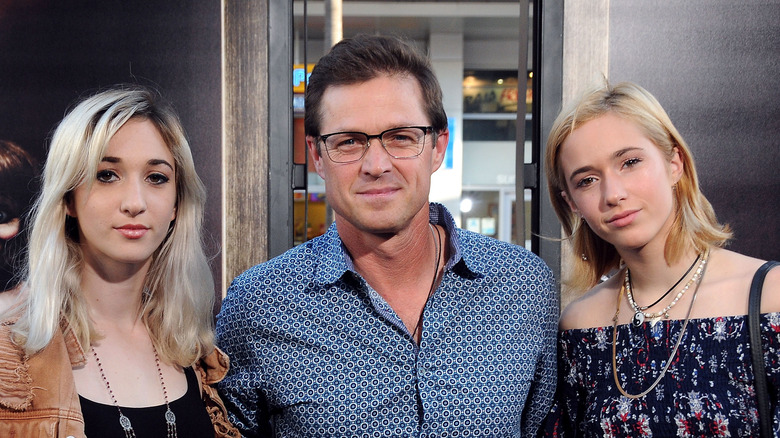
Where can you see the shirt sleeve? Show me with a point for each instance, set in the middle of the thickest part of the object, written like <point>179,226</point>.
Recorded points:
<point>542,390</point>
<point>242,388</point>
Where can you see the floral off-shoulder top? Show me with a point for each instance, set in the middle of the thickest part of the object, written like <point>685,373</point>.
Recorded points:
<point>707,390</point>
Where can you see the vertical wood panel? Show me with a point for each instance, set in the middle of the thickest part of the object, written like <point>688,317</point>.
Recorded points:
<point>585,46</point>
<point>245,141</point>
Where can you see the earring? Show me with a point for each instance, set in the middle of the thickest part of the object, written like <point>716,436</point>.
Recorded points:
<point>584,257</point>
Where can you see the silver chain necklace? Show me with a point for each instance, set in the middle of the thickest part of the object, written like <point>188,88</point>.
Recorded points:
<point>640,315</point>
<point>699,276</point>
<point>170,418</point>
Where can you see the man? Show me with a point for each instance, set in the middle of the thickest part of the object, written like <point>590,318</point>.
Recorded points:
<point>394,322</point>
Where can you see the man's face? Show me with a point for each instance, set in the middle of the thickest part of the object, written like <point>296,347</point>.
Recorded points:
<point>378,194</point>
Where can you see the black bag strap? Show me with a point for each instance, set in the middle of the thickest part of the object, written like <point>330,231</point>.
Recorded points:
<point>757,350</point>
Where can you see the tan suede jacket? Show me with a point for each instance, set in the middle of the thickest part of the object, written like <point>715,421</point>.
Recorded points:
<point>38,396</point>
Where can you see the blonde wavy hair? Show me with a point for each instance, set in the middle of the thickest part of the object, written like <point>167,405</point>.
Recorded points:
<point>178,304</point>
<point>695,224</point>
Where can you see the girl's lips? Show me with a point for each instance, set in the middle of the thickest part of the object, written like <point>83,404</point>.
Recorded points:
<point>622,219</point>
<point>133,232</point>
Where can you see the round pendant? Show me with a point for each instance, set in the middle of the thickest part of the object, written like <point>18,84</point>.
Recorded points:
<point>638,319</point>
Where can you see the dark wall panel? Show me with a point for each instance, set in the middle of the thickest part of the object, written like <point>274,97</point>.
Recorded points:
<point>713,65</point>
<point>52,52</point>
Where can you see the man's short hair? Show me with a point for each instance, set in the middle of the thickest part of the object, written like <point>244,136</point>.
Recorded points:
<point>365,57</point>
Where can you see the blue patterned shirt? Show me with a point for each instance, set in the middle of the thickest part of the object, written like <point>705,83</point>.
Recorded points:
<point>315,350</point>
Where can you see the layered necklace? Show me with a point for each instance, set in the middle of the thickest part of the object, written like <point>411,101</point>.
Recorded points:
<point>437,242</point>
<point>639,311</point>
<point>170,418</point>
<point>696,279</point>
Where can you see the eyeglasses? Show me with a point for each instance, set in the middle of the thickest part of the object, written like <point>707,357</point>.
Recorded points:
<point>348,147</point>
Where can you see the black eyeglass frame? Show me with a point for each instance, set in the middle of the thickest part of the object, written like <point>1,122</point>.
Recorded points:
<point>425,130</point>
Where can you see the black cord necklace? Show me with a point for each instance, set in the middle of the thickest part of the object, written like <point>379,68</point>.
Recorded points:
<point>437,242</point>
<point>673,286</point>
<point>639,311</point>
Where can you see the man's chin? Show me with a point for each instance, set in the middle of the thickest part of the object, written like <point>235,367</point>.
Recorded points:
<point>372,224</point>
<point>378,229</point>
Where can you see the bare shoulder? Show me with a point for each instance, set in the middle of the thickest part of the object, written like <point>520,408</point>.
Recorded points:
<point>770,298</point>
<point>728,279</point>
<point>595,308</point>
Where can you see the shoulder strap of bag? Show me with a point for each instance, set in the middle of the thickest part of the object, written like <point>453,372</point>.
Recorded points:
<point>757,350</point>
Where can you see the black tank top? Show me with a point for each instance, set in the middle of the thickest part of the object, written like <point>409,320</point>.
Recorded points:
<point>192,420</point>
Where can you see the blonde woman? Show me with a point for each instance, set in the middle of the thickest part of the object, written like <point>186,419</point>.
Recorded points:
<point>112,332</point>
<point>661,348</point>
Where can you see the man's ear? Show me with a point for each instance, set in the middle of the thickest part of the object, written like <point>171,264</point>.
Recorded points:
<point>316,155</point>
<point>440,148</point>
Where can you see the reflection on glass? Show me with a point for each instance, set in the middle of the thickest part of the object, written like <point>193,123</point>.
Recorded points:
<point>490,91</point>
<point>316,225</point>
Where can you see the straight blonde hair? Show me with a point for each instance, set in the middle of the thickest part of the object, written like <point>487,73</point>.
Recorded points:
<point>695,224</point>
<point>178,301</point>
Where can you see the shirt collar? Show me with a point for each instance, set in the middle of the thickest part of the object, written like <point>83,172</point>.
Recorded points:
<point>333,258</point>
<point>439,215</point>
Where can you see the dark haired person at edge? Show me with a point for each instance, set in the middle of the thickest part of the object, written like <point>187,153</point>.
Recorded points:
<point>394,322</point>
<point>661,348</point>
<point>18,182</point>
<point>111,332</point>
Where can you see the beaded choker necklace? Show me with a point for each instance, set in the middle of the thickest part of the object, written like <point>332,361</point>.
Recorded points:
<point>699,276</point>
<point>639,311</point>
<point>170,418</point>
